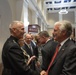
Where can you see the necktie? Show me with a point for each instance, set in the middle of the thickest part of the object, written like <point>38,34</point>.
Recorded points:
<point>31,48</point>
<point>53,58</point>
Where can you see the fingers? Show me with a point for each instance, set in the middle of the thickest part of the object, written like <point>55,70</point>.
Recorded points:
<point>43,72</point>
<point>32,58</point>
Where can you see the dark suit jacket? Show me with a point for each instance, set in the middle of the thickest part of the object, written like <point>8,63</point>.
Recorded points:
<point>29,52</point>
<point>47,53</point>
<point>14,61</point>
<point>35,49</point>
<point>65,62</point>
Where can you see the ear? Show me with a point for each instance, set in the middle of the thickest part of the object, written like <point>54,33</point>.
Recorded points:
<point>64,32</point>
<point>13,30</point>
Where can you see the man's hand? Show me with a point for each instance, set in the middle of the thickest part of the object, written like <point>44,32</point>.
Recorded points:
<point>43,72</point>
<point>38,64</point>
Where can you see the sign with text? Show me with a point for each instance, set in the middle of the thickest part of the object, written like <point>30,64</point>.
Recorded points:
<point>33,28</point>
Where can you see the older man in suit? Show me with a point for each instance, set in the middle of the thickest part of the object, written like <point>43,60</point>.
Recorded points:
<point>15,60</point>
<point>29,49</point>
<point>65,61</point>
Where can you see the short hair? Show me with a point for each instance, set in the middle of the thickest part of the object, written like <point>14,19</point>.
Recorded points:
<point>25,34</point>
<point>14,23</point>
<point>65,25</point>
<point>44,33</point>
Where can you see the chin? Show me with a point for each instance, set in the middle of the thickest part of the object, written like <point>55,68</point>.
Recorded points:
<point>55,39</point>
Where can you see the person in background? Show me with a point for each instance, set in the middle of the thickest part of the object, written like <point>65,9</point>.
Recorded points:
<point>65,60</point>
<point>15,60</point>
<point>36,50</point>
<point>37,40</point>
<point>21,42</point>
<point>30,50</point>
<point>34,45</point>
<point>47,49</point>
<point>33,40</point>
<point>38,44</point>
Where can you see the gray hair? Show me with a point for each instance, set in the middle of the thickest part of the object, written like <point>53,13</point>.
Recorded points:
<point>65,25</point>
<point>14,23</point>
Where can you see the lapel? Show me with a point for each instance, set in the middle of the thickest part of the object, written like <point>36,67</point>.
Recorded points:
<point>62,50</point>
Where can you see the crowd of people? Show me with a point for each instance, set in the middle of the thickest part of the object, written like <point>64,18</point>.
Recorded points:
<point>28,54</point>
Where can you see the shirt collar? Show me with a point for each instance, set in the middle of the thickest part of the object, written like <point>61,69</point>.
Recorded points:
<point>64,41</point>
<point>47,40</point>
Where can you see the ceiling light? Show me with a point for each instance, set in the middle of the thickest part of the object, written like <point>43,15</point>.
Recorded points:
<point>63,11</point>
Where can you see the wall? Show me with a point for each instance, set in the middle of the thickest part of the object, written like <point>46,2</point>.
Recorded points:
<point>5,19</point>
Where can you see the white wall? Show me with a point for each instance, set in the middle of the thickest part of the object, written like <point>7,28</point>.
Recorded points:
<point>5,19</point>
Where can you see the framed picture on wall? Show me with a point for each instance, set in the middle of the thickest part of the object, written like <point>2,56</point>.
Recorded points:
<point>33,28</point>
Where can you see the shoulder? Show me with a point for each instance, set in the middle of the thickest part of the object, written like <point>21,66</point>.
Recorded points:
<point>11,43</point>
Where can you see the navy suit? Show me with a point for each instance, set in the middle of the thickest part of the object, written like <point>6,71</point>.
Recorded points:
<point>47,53</point>
<point>65,62</point>
<point>35,49</point>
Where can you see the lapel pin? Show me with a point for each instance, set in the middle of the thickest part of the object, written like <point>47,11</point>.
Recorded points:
<point>63,49</point>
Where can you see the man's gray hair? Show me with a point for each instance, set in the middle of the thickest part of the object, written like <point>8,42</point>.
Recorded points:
<point>65,25</point>
<point>14,23</point>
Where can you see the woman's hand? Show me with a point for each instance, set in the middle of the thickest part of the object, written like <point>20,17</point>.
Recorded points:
<point>31,58</point>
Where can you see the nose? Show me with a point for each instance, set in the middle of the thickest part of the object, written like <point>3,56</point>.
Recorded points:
<point>24,31</point>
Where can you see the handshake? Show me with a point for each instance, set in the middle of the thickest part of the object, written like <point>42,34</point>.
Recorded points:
<point>33,58</point>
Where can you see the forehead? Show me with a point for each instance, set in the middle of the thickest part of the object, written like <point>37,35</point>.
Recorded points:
<point>20,25</point>
<point>28,36</point>
<point>40,37</point>
<point>17,25</point>
<point>57,26</point>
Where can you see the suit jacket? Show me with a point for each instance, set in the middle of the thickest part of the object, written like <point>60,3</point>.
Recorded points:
<point>47,53</point>
<point>29,52</point>
<point>65,62</point>
<point>14,60</point>
<point>35,49</point>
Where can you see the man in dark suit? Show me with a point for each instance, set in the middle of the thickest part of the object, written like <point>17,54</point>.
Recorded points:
<point>28,47</point>
<point>47,53</point>
<point>15,60</point>
<point>34,46</point>
<point>64,63</point>
<point>47,48</point>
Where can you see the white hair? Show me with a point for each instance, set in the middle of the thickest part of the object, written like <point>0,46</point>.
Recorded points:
<point>14,23</point>
<point>65,25</point>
